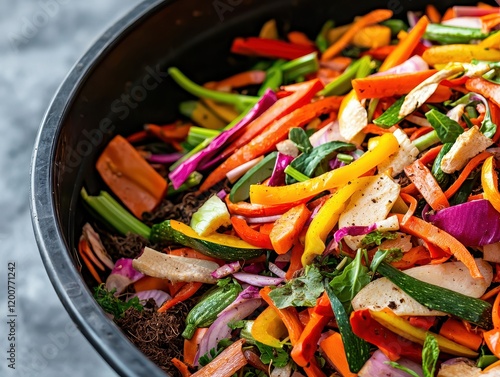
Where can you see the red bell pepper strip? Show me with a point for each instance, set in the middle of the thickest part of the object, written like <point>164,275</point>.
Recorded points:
<point>258,210</point>
<point>250,235</point>
<point>186,292</point>
<point>298,96</point>
<point>270,48</point>
<point>295,260</point>
<point>391,344</point>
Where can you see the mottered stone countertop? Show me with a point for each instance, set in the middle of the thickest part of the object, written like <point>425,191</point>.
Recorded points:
<point>40,40</point>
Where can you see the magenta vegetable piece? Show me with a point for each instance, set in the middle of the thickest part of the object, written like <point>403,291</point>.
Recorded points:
<point>354,230</point>
<point>180,174</point>
<point>254,268</point>
<point>226,269</point>
<point>244,305</point>
<point>276,270</point>
<point>261,220</point>
<point>159,296</point>
<point>471,11</point>
<point>377,366</point>
<point>164,158</point>
<point>122,275</point>
<point>278,175</point>
<point>474,223</point>
<point>257,280</point>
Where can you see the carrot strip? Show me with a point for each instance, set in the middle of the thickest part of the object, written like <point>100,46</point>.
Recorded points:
<point>226,363</point>
<point>442,93</point>
<point>405,47</point>
<point>448,15</point>
<point>375,130</point>
<point>371,18</point>
<point>259,210</point>
<point>300,38</point>
<point>430,233</point>
<point>191,345</point>
<point>491,293</point>
<point>295,260</point>
<point>333,349</point>
<point>431,155</point>
<point>181,367</point>
<point>495,118</point>
<point>433,14</point>
<point>411,189</point>
<point>149,283</point>
<point>242,79</point>
<point>491,337</point>
<point>187,252</point>
<point>471,165</point>
<point>420,132</point>
<point>389,85</point>
<point>475,197</point>
<point>456,331</point>
<point>253,237</point>
<point>130,177</point>
<point>413,205</point>
<point>87,262</point>
<point>427,185</point>
<point>137,137</point>
<point>267,140</point>
<point>186,292</point>
<point>488,89</point>
<point>416,255</point>
<point>287,228</point>
<point>297,96</point>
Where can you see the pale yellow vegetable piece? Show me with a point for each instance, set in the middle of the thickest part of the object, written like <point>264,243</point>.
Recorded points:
<point>406,154</point>
<point>459,53</point>
<point>373,36</point>
<point>210,216</point>
<point>353,117</point>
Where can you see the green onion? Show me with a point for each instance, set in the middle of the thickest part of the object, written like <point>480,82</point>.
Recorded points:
<point>274,77</point>
<point>197,135</point>
<point>426,141</point>
<point>194,179</point>
<point>321,39</point>
<point>345,158</point>
<point>295,174</point>
<point>115,215</point>
<point>300,67</point>
<point>342,84</point>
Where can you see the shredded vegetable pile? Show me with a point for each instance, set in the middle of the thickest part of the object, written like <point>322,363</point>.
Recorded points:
<point>334,210</point>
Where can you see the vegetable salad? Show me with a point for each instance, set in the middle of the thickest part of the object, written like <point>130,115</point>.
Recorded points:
<point>332,210</point>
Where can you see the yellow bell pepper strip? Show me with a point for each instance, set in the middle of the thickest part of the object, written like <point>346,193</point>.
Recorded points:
<point>402,327</point>
<point>489,181</point>
<point>493,41</point>
<point>327,217</point>
<point>432,234</point>
<point>262,194</point>
<point>268,328</point>
<point>460,53</point>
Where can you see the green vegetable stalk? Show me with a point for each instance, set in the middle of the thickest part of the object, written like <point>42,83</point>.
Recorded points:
<point>342,84</point>
<point>206,311</point>
<point>446,34</point>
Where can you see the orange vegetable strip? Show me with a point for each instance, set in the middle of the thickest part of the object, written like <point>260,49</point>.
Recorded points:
<point>471,165</point>
<point>130,177</point>
<point>413,205</point>
<point>181,367</point>
<point>488,89</point>
<point>289,316</point>
<point>405,47</point>
<point>417,254</point>
<point>389,85</point>
<point>253,237</point>
<point>431,155</point>
<point>495,118</point>
<point>226,363</point>
<point>442,93</point>
<point>491,293</point>
<point>299,95</point>
<point>299,38</point>
<point>313,369</point>
<point>86,260</point>
<point>259,210</point>
<point>449,14</point>
<point>90,254</point>
<point>430,233</point>
<point>149,283</point>
<point>495,314</point>
<point>242,79</point>
<point>420,132</point>
<point>186,292</point>
<point>456,331</point>
<point>433,14</point>
<point>270,48</point>
<point>380,53</point>
<point>489,180</point>
<point>374,129</point>
<point>492,337</point>
<point>303,351</point>
<point>187,252</point>
<point>411,189</point>
<point>295,260</point>
<point>137,137</point>
<point>191,345</point>
<point>266,228</point>
<point>475,197</point>
<point>287,228</point>
<point>174,131</point>
<point>425,182</point>
<point>333,350</point>
<point>371,18</point>
<point>272,135</point>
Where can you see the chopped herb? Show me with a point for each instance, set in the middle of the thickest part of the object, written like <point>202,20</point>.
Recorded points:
<point>376,237</point>
<point>278,357</point>
<point>112,304</point>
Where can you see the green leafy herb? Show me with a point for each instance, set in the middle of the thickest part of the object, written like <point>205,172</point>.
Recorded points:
<point>485,357</point>
<point>430,354</point>
<point>352,279</point>
<point>447,129</point>
<point>301,291</point>
<point>300,67</point>
<point>209,356</point>
<point>391,116</point>
<point>388,255</point>
<point>301,139</point>
<point>376,238</point>
<point>441,177</point>
<point>321,39</point>
<point>237,324</point>
<point>488,128</point>
<point>277,356</point>
<point>402,368</point>
<point>112,304</point>
<point>315,162</point>
<point>253,372</point>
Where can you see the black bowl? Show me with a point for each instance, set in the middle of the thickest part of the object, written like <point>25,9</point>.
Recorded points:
<point>119,85</point>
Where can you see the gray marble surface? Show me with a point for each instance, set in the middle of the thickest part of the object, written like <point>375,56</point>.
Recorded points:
<point>40,40</point>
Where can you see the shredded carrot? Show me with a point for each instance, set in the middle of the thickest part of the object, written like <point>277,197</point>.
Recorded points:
<point>185,292</point>
<point>413,205</point>
<point>137,137</point>
<point>191,345</point>
<point>415,256</point>
<point>181,367</point>
<point>420,132</point>
<point>431,155</point>
<point>371,18</point>
<point>287,228</point>
<point>187,252</point>
<point>491,293</point>
<point>86,260</point>
<point>475,197</point>
<point>433,14</point>
<point>457,332</point>
<point>242,79</point>
<point>149,283</point>
<point>440,238</point>
<point>471,165</point>
<point>375,130</point>
<point>332,347</point>
<point>405,47</point>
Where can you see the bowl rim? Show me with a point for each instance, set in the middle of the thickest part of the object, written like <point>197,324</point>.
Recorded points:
<point>103,334</point>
